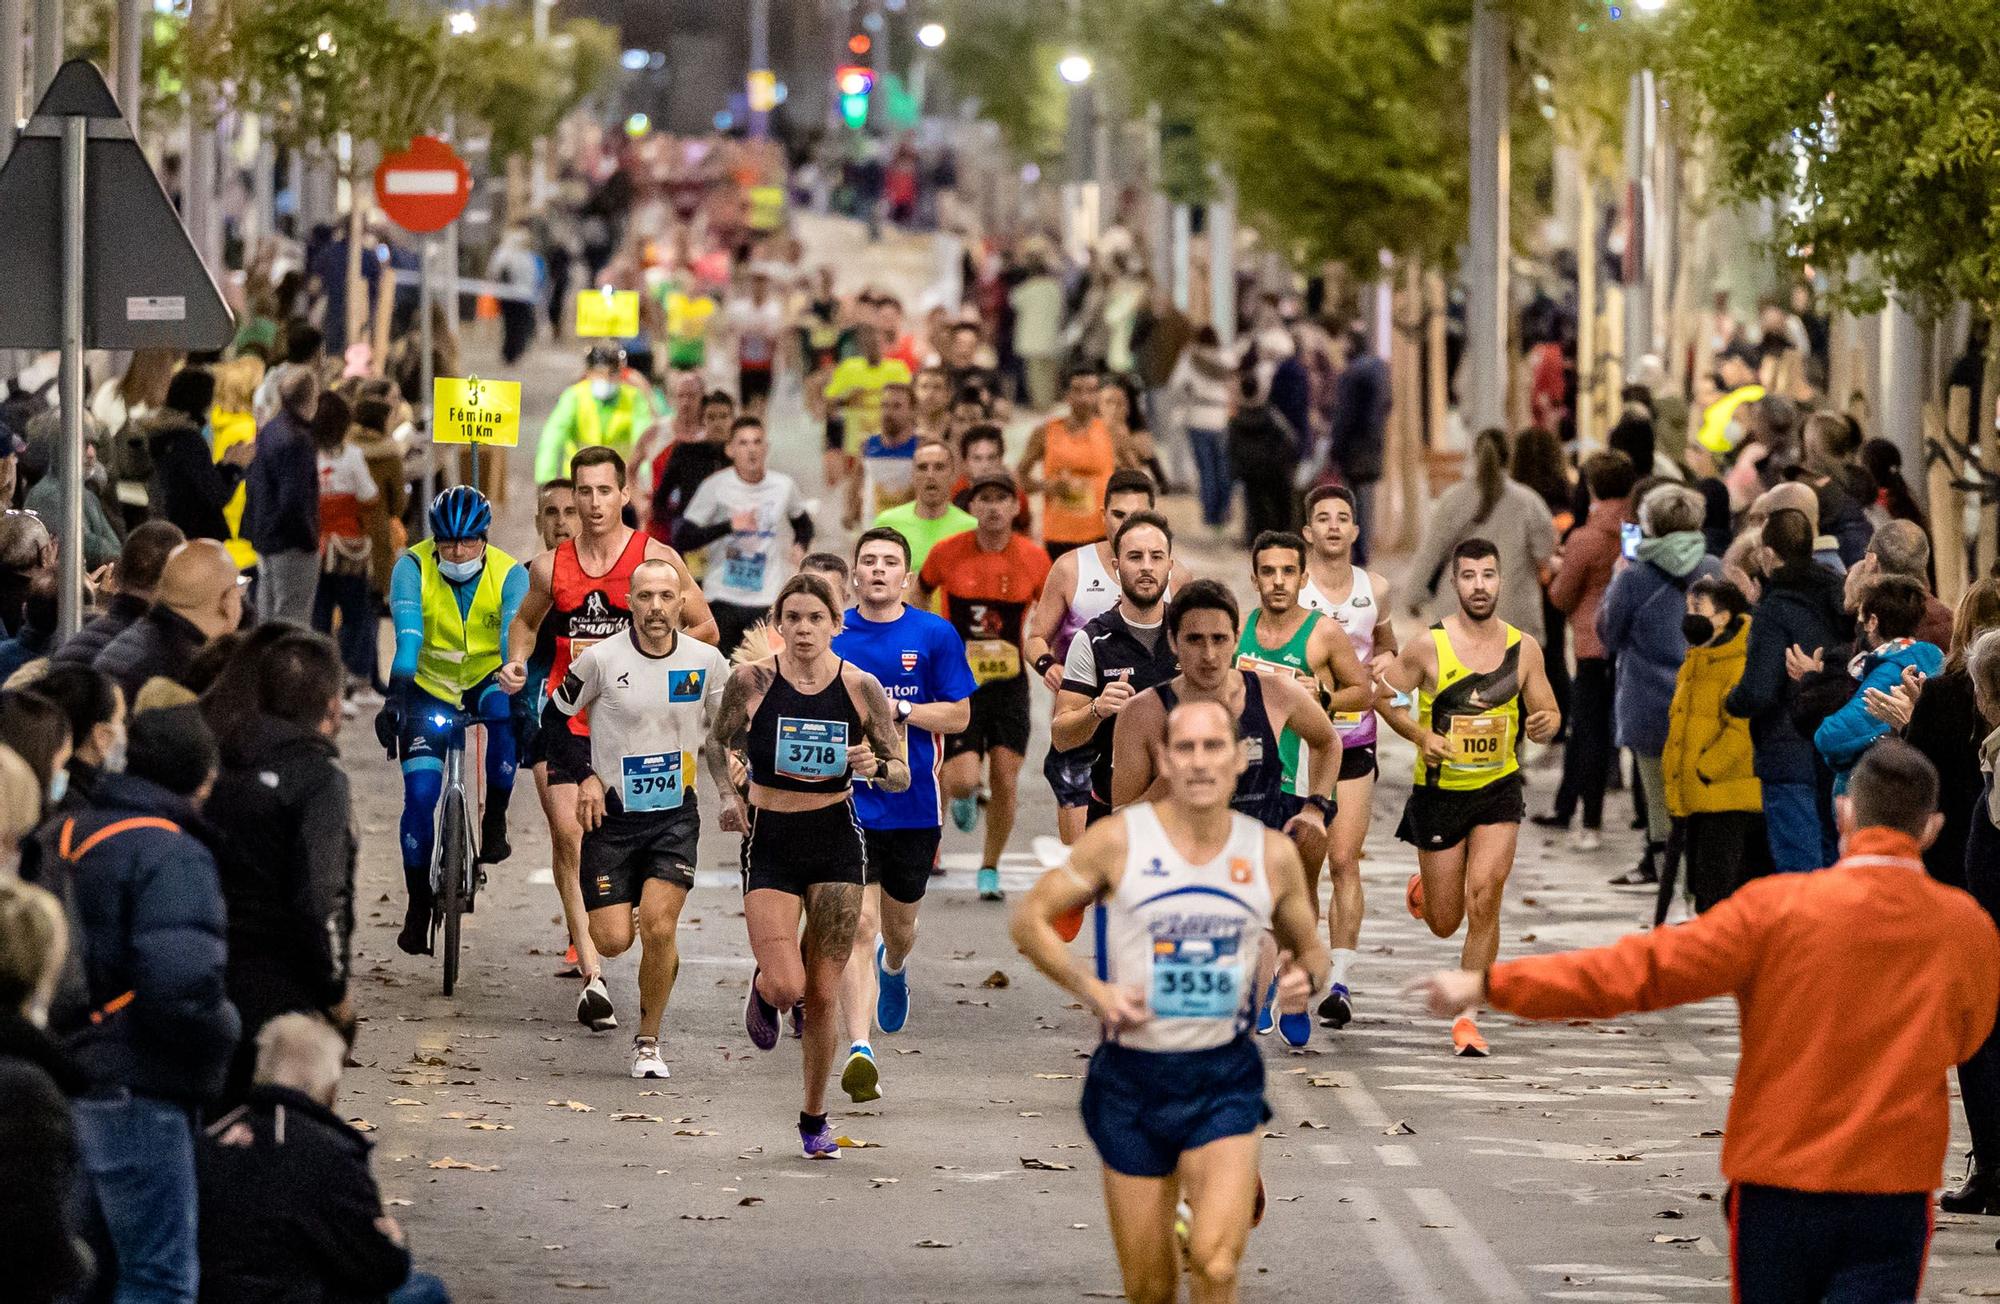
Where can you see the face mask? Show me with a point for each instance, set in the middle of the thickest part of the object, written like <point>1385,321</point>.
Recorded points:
<point>604,390</point>
<point>1697,629</point>
<point>58,787</point>
<point>458,572</point>
<point>114,756</point>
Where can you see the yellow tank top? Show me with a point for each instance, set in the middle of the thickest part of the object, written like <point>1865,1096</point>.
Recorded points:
<point>1479,713</point>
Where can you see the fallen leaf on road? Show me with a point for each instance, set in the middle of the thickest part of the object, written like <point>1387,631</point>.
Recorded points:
<point>1527,937</point>
<point>397,1203</point>
<point>1287,1199</point>
<point>908,1050</point>
<point>1055,1077</point>
<point>963,955</point>
<point>1323,1080</point>
<point>637,1118</point>
<point>578,1285</point>
<point>652,1093</point>
<point>704,1217</point>
<point>1670,1213</point>
<point>849,1143</point>
<point>1709,1132</point>
<point>405,1100</point>
<point>1664,1239</point>
<point>1400,1127</point>
<point>1043,1165</point>
<point>574,1106</point>
<point>997,979</point>
<point>690,1131</point>
<point>489,1127</point>
<point>1613,1159</point>
<point>1438,1227</point>
<point>982,1004</point>
<point>361,1125</point>
<point>1312,1126</point>
<point>935,1245</point>
<point>449,1162</point>
<point>555,1247</point>
<point>1274,1136</point>
<point>749,1200</point>
<point>885,1181</point>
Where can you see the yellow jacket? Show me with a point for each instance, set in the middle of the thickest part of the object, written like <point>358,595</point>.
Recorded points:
<point>231,429</point>
<point>1708,760</point>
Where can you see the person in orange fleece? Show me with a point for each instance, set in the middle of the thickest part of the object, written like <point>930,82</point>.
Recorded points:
<point>1858,986</point>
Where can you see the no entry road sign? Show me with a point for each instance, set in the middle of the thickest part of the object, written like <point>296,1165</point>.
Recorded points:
<point>423,188</point>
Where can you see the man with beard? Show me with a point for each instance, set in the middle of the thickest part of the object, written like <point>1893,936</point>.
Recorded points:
<point>652,693</point>
<point>1479,684</point>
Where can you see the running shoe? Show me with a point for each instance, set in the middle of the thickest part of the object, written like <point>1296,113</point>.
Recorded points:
<point>861,1080</point>
<point>646,1061</point>
<point>1465,1038</point>
<point>1295,1029</point>
<point>1413,896</point>
<point>892,993</point>
<point>593,1007</point>
<point>760,1018</point>
<point>965,813</point>
<point>1266,1016</point>
<point>989,884</point>
<point>570,967</point>
<point>1336,1011</point>
<point>820,1144</point>
<point>1586,840</point>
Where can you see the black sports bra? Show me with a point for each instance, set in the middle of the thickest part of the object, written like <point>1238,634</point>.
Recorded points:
<point>799,741</point>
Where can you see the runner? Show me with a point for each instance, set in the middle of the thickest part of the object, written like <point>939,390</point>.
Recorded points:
<point>988,576</point>
<point>452,598</point>
<point>982,449</point>
<point>600,410</point>
<point>1119,654</point>
<point>1284,602</point>
<point>886,454</point>
<point>652,693</point>
<point>1174,1099</point>
<point>1480,685</point>
<point>920,662</point>
<point>932,392</point>
<point>735,515</point>
<point>1074,453</point>
<point>586,583</point>
<point>855,392</point>
<point>930,516</point>
<point>799,716</point>
<point>1203,629</point>
<point>1080,589</point>
<point>555,520</point>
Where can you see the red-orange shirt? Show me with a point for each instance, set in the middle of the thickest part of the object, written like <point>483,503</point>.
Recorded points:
<point>986,594</point>
<point>1085,460</point>
<point>1859,986</point>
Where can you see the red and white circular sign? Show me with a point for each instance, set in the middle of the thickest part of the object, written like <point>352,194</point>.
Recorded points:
<point>423,188</point>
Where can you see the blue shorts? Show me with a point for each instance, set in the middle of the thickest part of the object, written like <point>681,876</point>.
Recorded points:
<point>1144,1108</point>
<point>1068,774</point>
<point>424,735</point>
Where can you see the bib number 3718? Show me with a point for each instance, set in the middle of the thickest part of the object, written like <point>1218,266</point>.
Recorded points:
<point>811,749</point>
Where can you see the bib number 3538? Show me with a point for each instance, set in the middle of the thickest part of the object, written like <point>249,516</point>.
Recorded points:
<point>811,749</point>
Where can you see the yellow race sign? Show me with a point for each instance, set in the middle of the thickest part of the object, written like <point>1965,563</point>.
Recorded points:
<point>607,314</point>
<point>475,411</point>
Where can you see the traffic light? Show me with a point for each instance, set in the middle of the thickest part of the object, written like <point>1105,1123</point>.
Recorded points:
<point>854,82</point>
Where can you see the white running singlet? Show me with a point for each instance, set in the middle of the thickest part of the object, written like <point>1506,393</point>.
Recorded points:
<point>1186,935</point>
<point>1096,593</point>
<point>1357,615</point>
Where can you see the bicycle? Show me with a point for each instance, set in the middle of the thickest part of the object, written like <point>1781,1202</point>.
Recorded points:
<point>455,878</point>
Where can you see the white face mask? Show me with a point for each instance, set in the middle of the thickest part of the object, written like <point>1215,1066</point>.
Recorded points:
<point>114,755</point>
<point>604,390</point>
<point>458,572</point>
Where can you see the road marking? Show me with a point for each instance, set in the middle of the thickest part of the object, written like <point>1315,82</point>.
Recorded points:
<point>1717,1086</point>
<point>1394,1156</point>
<point>1331,1155</point>
<point>1465,1244</point>
<point>1354,1097</point>
<point>1682,1053</point>
<point>1392,1249</point>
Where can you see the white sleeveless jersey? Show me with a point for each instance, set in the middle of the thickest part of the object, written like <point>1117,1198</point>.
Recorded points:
<point>1096,593</point>
<point>1357,615</point>
<point>1186,935</point>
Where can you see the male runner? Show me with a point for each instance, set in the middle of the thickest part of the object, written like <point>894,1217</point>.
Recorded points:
<point>920,662</point>
<point>736,516</point>
<point>1080,589</point>
<point>1118,654</point>
<point>1203,629</point>
<point>452,598</point>
<point>988,576</point>
<point>929,516</point>
<point>982,449</point>
<point>1174,1099</point>
<point>885,455</point>
<point>1293,612</point>
<point>854,391</point>
<point>586,582</point>
<point>555,520</point>
<point>1477,679</point>
<point>652,693</point>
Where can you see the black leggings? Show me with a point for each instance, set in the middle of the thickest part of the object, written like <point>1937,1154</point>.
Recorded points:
<point>1588,757</point>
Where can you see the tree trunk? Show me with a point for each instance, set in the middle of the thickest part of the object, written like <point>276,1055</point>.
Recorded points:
<point>1947,506</point>
<point>1405,455</point>
<point>1587,353</point>
<point>357,289</point>
<point>519,201</point>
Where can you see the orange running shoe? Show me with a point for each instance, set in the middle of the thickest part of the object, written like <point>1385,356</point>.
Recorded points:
<point>1465,1038</point>
<point>1069,924</point>
<point>569,968</point>
<point>1413,896</point>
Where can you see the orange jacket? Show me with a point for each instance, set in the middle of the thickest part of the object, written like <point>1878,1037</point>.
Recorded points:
<point>1859,986</point>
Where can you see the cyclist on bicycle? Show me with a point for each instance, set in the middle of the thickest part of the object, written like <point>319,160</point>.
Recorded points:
<point>452,598</point>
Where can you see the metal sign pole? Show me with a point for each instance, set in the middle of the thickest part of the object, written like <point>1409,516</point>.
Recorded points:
<point>69,453</point>
<point>424,378</point>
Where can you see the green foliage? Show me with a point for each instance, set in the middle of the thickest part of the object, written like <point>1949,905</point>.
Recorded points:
<point>162,59</point>
<point>1872,125</point>
<point>1172,53</point>
<point>370,68</point>
<point>521,90</point>
<point>1003,57</point>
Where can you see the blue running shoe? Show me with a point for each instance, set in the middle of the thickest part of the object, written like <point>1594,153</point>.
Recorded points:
<point>1296,1029</point>
<point>1266,1014</point>
<point>965,813</point>
<point>760,1018</point>
<point>892,994</point>
<point>1336,1011</point>
<point>820,1144</point>
<point>989,884</point>
<point>861,1080</point>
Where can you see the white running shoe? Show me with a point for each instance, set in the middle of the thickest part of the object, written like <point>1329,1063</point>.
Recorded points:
<point>646,1061</point>
<point>593,1007</point>
<point>1585,840</point>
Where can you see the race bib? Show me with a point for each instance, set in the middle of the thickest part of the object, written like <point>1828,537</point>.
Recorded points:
<point>811,749</point>
<point>1348,721</point>
<point>1196,978</point>
<point>993,659</point>
<point>1478,742</point>
<point>743,571</point>
<point>1245,661</point>
<point>653,783</point>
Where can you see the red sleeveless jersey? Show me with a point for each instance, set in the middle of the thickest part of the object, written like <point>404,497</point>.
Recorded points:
<point>589,608</point>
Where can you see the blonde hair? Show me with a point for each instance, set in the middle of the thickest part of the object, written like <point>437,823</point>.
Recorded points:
<point>160,692</point>
<point>303,1052</point>
<point>236,383</point>
<point>34,938</point>
<point>20,799</point>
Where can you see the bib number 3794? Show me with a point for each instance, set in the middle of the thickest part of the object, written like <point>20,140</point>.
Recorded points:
<point>653,783</point>
<point>811,749</point>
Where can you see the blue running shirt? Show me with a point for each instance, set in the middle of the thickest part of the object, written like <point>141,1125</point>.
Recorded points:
<point>919,658</point>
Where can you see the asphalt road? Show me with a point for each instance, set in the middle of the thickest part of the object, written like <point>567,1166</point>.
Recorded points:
<point>1577,1163</point>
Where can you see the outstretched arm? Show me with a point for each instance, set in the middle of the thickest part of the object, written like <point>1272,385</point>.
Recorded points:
<point>1306,965</point>
<point>528,617</point>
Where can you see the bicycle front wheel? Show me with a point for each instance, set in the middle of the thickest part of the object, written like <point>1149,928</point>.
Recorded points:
<point>452,845</point>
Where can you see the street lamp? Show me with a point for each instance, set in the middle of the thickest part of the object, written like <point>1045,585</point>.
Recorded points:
<point>930,35</point>
<point>1650,6</point>
<point>464,22</point>
<point>1074,69</point>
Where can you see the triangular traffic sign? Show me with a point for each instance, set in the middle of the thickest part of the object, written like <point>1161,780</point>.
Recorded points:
<point>144,284</point>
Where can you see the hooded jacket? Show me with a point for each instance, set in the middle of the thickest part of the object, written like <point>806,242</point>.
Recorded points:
<point>1639,625</point>
<point>1801,605</point>
<point>1707,761</point>
<point>188,487</point>
<point>1849,731</point>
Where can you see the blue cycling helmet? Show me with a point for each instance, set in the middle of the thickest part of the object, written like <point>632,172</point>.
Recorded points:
<point>460,512</point>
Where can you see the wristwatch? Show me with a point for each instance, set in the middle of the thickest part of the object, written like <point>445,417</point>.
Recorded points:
<point>1324,805</point>
<point>1043,662</point>
<point>902,711</point>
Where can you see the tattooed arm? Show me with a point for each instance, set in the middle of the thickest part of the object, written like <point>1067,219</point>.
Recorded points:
<point>740,698</point>
<point>883,740</point>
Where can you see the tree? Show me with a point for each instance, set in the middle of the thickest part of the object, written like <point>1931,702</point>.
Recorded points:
<point>1002,58</point>
<point>520,90</point>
